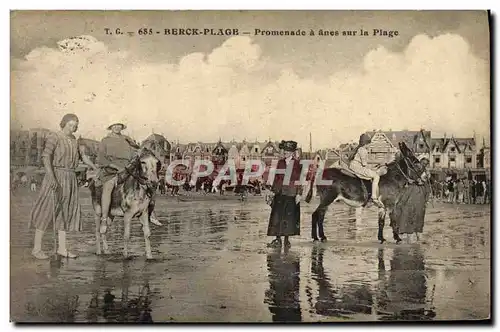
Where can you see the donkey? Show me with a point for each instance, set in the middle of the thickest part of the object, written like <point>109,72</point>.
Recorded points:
<point>354,191</point>
<point>132,197</point>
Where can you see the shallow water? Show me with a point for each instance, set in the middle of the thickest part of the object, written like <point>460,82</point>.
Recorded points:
<point>212,265</point>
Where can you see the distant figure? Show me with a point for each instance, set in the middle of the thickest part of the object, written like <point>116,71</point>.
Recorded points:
<point>460,191</point>
<point>479,192</point>
<point>33,183</point>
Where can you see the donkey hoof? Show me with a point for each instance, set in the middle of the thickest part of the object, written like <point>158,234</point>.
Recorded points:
<point>149,257</point>
<point>315,240</point>
<point>398,241</point>
<point>382,241</point>
<point>324,239</point>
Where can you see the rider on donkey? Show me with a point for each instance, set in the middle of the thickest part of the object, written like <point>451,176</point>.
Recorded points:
<point>358,164</point>
<point>115,152</point>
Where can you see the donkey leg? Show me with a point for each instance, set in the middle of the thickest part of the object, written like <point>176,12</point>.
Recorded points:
<point>127,219</point>
<point>381,224</point>
<point>98,230</point>
<point>321,218</point>
<point>147,233</point>
<point>314,225</point>
<point>105,247</point>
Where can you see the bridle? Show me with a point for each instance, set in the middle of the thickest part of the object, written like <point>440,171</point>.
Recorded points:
<point>409,166</point>
<point>134,165</point>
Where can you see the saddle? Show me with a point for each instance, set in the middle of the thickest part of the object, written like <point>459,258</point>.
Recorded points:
<point>365,187</point>
<point>345,169</point>
<point>109,173</point>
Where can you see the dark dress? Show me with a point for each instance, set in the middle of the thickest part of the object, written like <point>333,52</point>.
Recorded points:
<point>285,213</point>
<point>408,214</point>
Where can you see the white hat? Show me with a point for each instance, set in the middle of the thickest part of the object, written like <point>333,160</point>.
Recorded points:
<point>117,123</point>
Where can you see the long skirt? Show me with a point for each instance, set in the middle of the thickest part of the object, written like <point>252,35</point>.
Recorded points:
<point>408,214</point>
<point>67,207</point>
<point>285,217</point>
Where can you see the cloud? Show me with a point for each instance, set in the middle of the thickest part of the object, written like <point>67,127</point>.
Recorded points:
<point>435,83</point>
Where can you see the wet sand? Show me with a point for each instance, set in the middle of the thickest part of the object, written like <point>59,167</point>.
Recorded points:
<point>212,265</point>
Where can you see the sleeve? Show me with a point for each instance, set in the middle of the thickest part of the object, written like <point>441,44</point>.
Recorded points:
<point>300,187</point>
<point>50,146</point>
<point>131,142</point>
<point>363,154</point>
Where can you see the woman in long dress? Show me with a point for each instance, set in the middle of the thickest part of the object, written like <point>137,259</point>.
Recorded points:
<point>285,207</point>
<point>409,212</point>
<point>59,191</point>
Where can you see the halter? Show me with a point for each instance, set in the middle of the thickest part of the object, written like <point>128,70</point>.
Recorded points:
<point>139,178</point>
<point>412,167</point>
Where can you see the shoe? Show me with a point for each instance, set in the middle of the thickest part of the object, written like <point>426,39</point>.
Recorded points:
<point>378,203</point>
<point>155,221</point>
<point>274,244</point>
<point>38,254</point>
<point>66,254</point>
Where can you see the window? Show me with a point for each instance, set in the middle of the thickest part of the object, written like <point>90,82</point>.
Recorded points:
<point>452,159</point>
<point>468,160</point>
<point>256,150</point>
<point>420,146</point>
<point>452,149</point>
<point>437,160</point>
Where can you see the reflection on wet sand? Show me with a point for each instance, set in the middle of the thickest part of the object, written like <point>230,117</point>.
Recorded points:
<point>282,297</point>
<point>348,299</point>
<point>105,306</point>
<point>402,296</point>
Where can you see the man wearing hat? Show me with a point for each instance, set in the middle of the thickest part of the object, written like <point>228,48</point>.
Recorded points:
<point>358,163</point>
<point>285,206</point>
<point>115,152</point>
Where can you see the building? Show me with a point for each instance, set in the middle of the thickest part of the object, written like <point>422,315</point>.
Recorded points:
<point>220,152</point>
<point>160,147</point>
<point>454,153</point>
<point>26,146</point>
<point>385,144</point>
<point>91,147</point>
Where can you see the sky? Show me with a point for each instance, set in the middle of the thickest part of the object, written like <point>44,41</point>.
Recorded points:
<point>433,75</point>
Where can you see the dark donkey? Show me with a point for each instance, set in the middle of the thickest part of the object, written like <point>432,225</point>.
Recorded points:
<point>132,197</point>
<point>353,191</point>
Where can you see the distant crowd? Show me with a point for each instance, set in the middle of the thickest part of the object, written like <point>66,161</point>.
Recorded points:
<point>463,191</point>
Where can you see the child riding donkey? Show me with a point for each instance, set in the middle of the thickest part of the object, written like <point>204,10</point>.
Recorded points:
<point>115,152</point>
<point>358,163</point>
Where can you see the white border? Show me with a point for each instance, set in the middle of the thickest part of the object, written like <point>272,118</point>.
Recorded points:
<point>185,4</point>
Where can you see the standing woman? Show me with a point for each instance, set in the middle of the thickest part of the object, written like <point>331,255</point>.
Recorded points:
<point>285,207</point>
<point>59,187</point>
<point>408,214</point>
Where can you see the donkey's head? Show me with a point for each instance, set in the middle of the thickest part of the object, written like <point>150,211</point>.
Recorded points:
<point>409,163</point>
<point>147,166</point>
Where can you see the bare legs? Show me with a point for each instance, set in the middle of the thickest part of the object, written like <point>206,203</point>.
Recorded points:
<point>107,191</point>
